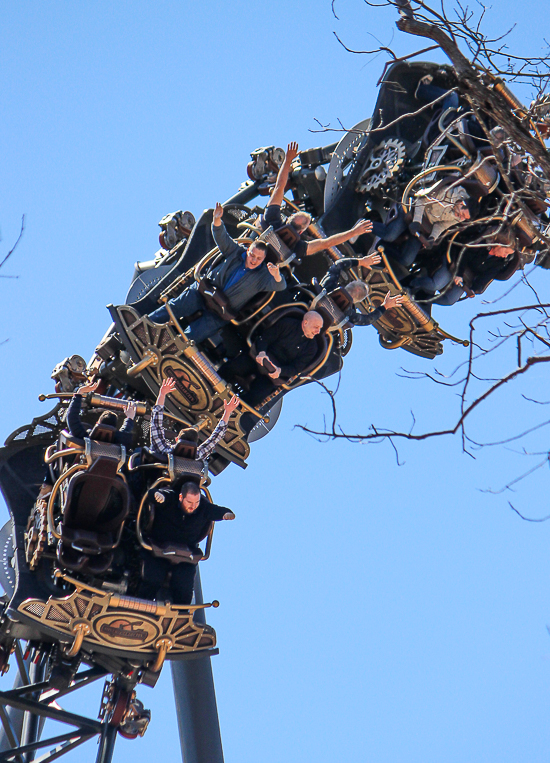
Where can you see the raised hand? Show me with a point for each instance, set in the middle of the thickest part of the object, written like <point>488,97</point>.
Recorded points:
<point>260,357</point>
<point>130,410</point>
<point>369,260</point>
<point>229,406</point>
<point>168,385</point>
<point>218,213</point>
<point>291,152</point>
<point>274,270</point>
<point>390,301</point>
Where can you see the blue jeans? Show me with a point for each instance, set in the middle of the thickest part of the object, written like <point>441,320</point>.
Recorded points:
<point>391,231</point>
<point>189,302</point>
<point>440,279</point>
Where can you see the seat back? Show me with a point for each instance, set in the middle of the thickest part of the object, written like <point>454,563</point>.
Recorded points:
<point>186,449</point>
<point>97,499</point>
<point>215,300</point>
<point>103,433</point>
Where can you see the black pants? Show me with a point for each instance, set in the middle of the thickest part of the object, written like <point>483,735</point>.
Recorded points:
<point>154,574</point>
<point>262,386</point>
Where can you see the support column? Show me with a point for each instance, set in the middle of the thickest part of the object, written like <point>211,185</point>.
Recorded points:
<point>196,707</point>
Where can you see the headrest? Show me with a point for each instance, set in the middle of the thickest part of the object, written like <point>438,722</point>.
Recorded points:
<point>288,235</point>
<point>342,298</point>
<point>185,449</point>
<point>103,433</point>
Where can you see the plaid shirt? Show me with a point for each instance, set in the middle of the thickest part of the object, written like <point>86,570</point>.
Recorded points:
<point>159,443</point>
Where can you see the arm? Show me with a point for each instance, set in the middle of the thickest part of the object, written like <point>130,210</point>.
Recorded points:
<point>75,425</point>
<point>216,513</point>
<point>128,424</point>
<point>282,178</point>
<point>363,226</point>
<point>207,448</point>
<point>158,442</point>
<point>223,240</point>
<point>330,280</point>
<point>272,279</point>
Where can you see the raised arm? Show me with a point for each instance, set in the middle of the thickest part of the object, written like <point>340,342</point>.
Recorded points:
<point>207,448</point>
<point>282,178</point>
<point>158,442</point>
<point>74,424</point>
<point>224,242</point>
<point>363,226</point>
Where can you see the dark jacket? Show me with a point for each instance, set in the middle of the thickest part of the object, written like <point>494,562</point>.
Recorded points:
<point>80,430</point>
<point>172,525</point>
<point>330,282</point>
<point>254,281</point>
<point>286,345</point>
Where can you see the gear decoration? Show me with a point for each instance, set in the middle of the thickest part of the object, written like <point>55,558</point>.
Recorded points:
<point>384,162</point>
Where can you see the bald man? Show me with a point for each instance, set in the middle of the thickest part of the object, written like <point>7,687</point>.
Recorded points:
<point>283,350</point>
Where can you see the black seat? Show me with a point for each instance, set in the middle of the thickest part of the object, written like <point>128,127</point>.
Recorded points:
<point>96,506</point>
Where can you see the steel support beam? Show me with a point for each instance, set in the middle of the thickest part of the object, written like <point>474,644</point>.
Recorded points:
<point>196,707</point>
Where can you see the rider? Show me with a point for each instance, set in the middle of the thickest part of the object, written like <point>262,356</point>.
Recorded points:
<point>241,275</point>
<point>159,443</point>
<point>358,290</point>
<point>78,429</point>
<point>281,351</point>
<point>300,221</point>
<point>182,517</point>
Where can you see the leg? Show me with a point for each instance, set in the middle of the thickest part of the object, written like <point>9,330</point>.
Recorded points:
<point>188,302</point>
<point>204,326</point>
<point>408,253</point>
<point>242,365</point>
<point>153,572</point>
<point>392,230</point>
<point>183,580</point>
<point>261,387</point>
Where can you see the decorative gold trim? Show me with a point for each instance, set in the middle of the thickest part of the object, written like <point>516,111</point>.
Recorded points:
<point>90,617</point>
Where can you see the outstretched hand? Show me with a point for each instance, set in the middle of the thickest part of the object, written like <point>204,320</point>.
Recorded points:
<point>86,388</point>
<point>361,227</point>
<point>229,406</point>
<point>369,260</point>
<point>390,301</point>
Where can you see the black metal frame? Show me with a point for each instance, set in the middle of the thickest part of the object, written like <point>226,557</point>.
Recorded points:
<point>34,701</point>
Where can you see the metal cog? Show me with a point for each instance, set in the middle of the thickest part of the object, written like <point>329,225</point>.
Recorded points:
<point>384,162</point>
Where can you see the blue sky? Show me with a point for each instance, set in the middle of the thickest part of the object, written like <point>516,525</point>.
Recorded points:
<point>369,611</point>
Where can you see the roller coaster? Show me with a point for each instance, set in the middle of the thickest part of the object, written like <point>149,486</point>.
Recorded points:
<point>71,613</point>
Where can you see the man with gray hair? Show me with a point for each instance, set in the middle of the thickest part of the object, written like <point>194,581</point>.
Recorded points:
<point>358,290</point>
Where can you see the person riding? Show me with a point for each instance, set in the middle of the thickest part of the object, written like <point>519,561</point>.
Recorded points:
<point>300,221</point>
<point>358,290</point>
<point>476,268</point>
<point>280,352</point>
<point>123,436</point>
<point>241,276</point>
<point>181,517</point>
<point>158,442</point>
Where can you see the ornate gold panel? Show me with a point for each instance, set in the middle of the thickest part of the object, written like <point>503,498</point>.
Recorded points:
<point>123,622</point>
